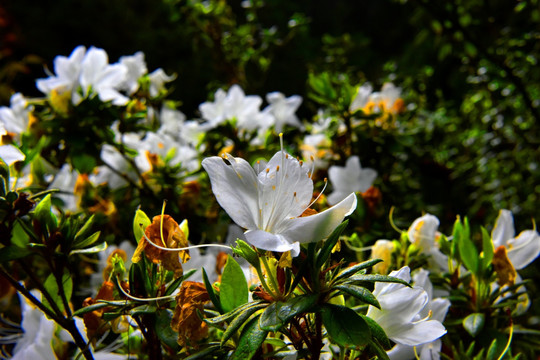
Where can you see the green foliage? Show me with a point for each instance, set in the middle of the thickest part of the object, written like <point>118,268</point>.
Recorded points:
<point>233,289</point>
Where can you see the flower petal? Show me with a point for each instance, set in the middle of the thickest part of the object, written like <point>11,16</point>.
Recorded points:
<point>317,227</point>
<point>420,333</point>
<point>524,248</point>
<point>504,228</point>
<point>235,187</point>
<point>268,241</point>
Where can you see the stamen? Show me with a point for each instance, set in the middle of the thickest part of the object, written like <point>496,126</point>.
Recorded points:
<point>161,223</point>
<point>142,299</point>
<point>184,248</point>
<point>317,198</point>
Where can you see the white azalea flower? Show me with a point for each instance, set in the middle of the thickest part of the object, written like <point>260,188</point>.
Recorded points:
<point>269,202</point>
<point>361,97</point>
<point>315,151</point>
<point>104,175</point>
<point>102,78</point>
<point>11,154</point>
<point>388,99</point>
<point>36,342</point>
<point>244,109</point>
<point>136,68</point>
<point>402,310</point>
<point>283,109</point>
<point>165,146</point>
<point>351,178</point>
<point>68,70</point>
<point>423,233</point>
<point>158,78</point>
<point>436,309</point>
<point>522,249</point>
<point>15,118</point>
<point>65,181</point>
<point>214,112</point>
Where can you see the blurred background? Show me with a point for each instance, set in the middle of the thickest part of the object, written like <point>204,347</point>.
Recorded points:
<point>469,73</point>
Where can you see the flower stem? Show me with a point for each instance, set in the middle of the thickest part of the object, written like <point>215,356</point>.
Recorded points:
<point>273,281</point>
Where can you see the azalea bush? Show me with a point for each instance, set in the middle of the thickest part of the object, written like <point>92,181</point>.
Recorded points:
<point>129,231</point>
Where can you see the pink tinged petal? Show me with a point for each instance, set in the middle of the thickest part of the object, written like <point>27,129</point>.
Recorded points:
<point>524,249</point>
<point>319,226</point>
<point>503,229</point>
<point>235,187</point>
<point>272,242</point>
<point>419,333</point>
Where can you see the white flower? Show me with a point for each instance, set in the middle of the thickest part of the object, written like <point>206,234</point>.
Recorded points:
<point>436,309</point>
<point>244,109</point>
<point>100,77</point>
<point>11,154</point>
<point>15,118</point>
<point>167,148</point>
<point>136,68</point>
<point>158,78</point>
<point>315,151</point>
<point>523,249</point>
<point>361,97</point>
<point>351,178</point>
<point>214,112</point>
<point>401,314</point>
<point>422,233</point>
<point>36,343</point>
<point>283,110</point>
<point>388,99</point>
<point>104,174</point>
<point>68,70</point>
<point>269,202</point>
<point>65,181</point>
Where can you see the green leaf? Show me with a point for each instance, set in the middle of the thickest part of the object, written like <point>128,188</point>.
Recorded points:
<point>140,222</point>
<point>44,215</point>
<point>51,286</point>
<point>233,291</point>
<point>94,249</point>
<point>377,332</point>
<point>279,313</point>
<point>359,292</point>
<point>351,270</point>
<point>84,243</point>
<point>83,162</point>
<point>250,341</point>
<point>176,283</point>
<point>81,235</point>
<point>378,350</point>
<point>238,321</point>
<point>90,308</point>
<point>203,354</point>
<point>163,329</point>
<point>493,352</point>
<point>244,250</point>
<point>345,326</point>
<point>12,252</point>
<point>143,310</point>
<point>474,323</point>
<point>487,249</point>
<point>212,293</point>
<point>329,244</point>
<point>377,278</point>
<point>225,317</point>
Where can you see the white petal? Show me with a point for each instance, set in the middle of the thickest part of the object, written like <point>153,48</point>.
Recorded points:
<point>420,333</point>
<point>401,352</point>
<point>11,154</point>
<point>317,227</point>
<point>504,228</point>
<point>422,232</point>
<point>235,187</point>
<point>272,242</point>
<point>524,248</point>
